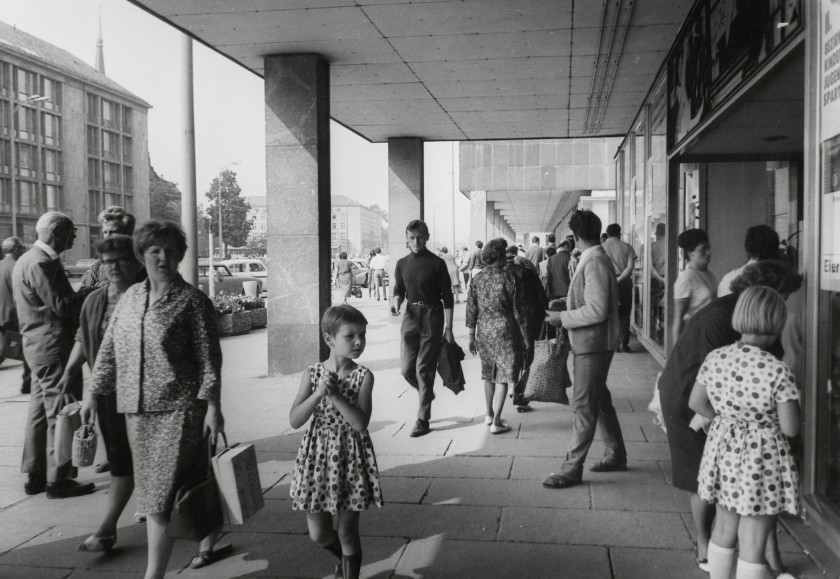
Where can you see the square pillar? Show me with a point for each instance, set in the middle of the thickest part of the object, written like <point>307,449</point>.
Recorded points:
<point>297,154</point>
<point>405,194</point>
<point>478,217</point>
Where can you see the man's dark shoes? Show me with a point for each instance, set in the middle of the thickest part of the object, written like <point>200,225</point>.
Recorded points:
<point>626,348</point>
<point>36,482</point>
<point>67,489</point>
<point>558,481</point>
<point>609,466</point>
<point>421,428</point>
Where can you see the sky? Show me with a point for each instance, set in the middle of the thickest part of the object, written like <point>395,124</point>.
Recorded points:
<point>144,55</point>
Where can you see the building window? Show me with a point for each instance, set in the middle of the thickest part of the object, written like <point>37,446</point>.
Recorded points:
<point>26,160</point>
<point>52,90</point>
<point>128,179</point>
<point>113,199</point>
<point>5,78</point>
<point>110,145</point>
<point>94,205</point>
<point>110,114</point>
<point>25,123</point>
<point>27,198</point>
<point>55,197</point>
<point>126,120</point>
<point>51,129</point>
<point>127,149</point>
<point>94,173</point>
<point>5,107</point>
<point>52,165</point>
<point>111,174</point>
<point>93,109</point>
<point>5,197</point>
<point>93,140</point>
<point>27,84</point>
<point>5,156</point>
<point>128,203</point>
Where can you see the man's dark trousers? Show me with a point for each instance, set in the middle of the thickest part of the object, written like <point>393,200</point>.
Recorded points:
<point>625,309</point>
<point>593,407</point>
<point>422,331</point>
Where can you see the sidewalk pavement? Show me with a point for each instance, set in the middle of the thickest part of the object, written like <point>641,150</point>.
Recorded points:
<point>460,502</point>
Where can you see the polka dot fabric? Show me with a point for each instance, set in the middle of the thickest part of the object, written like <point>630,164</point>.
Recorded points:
<point>335,468</point>
<point>747,465</point>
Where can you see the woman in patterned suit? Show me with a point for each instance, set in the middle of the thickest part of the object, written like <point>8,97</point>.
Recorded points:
<point>498,324</point>
<point>162,354</point>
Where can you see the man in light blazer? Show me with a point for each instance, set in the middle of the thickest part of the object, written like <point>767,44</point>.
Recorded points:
<point>591,318</point>
<point>48,310</point>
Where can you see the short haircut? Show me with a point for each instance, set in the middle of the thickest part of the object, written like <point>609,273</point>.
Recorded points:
<point>417,226</point>
<point>549,251</point>
<point>613,230</point>
<point>571,240</point>
<point>337,316</point>
<point>493,251</point>
<point>512,250</point>
<point>159,232</point>
<point>116,214</point>
<point>444,250</point>
<point>585,225</point>
<point>550,238</point>
<point>760,310</point>
<point>11,245</point>
<point>372,252</point>
<point>116,243</point>
<point>761,242</point>
<point>378,250</point>
<point>535,239</point>
<point>565,245</point>
<point>660,229</point>
<point>342,255</point>
<point>49,221</point>
<point>775,274</point>
<point>479,244</point>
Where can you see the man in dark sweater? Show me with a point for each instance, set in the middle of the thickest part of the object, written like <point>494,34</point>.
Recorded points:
<point>422,281</point>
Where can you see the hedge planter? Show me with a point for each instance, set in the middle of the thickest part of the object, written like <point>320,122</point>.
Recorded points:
<point>233,324</point>
<point>259,318</point>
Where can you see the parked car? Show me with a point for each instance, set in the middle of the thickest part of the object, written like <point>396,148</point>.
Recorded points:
<point>362,271</point>
<point>245,267</point>
<point>225,281</point>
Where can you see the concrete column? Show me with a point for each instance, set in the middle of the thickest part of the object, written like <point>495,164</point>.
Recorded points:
<point>297,153</point>
<point>405,193</point>
<point>489,216</point>
<point>478,217</point>
<point>497,221</point>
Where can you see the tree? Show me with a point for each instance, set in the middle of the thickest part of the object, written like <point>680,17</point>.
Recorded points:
<point>235,222</point>
<point>164,198</point>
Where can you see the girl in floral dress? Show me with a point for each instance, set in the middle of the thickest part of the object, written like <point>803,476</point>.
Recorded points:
<point>335,469</point>
<point>747,470</point>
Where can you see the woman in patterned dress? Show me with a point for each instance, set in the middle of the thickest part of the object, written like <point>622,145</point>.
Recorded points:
<point>747,469</point>
<point>498,326</point>
<point>161,352</point>
<point>335,469</point>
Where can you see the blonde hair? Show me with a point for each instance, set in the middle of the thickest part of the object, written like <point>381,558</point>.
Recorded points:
<point>760,310</point>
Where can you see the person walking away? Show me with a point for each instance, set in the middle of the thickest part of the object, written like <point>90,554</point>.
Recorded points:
<point>761,243</point>
<point>345,272</point>
<point>113,220</point>
<point>452,268</point>
<point>534,302</point>
<point>623,257</point>
<point>550,241</point>
<point>422,281</point>
<point>747,469</point>
<point>473,264</point>
<point>12,249</point>
<point>696,286</point>
<point>591,318</point>
<point>116,254</point>
<point>378,264</point>
<point>549,252</point>
<point>498,324</point>
<point>48,311</point>
<point>337,395</point>
<point>371,282</point>
<point>658,253</point>
<point>557,278</point>
<point>535,254</point>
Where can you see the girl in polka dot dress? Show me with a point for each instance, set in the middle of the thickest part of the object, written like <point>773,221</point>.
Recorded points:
<point>335,469</point>
<point>747,470</point>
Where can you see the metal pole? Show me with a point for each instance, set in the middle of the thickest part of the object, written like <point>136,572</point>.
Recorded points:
<point>221,243</point>
<point>189,218</point>
<point>211,269</point>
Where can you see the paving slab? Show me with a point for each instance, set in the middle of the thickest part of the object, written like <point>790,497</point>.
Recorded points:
<point>15,534</point>
<point>415,521</point>
<point>585,527</point>
<point>449,467</point>
<point>95,574</point>
<point>33,572</point>
<point>442,557</point>
<point>536,469</point>
<point>624,496</point>
<point>505,445</point>
<point>518,493</point>
<point>636,563</point>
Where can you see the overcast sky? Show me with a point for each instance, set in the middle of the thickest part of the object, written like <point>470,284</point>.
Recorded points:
<point>144,55</point>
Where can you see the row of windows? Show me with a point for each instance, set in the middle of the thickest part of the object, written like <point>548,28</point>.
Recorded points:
<point>109,145</point>
<point>21,84</point>
<point>343,226</point>
<point>108,114</point>
<point>31,161</point>
<point>102,174</point>
<point>32,198</point>
<point>99,200</point>
<point>27,125</point>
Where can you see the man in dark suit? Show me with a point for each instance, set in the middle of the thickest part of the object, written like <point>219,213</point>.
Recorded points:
<point>48,310</point>
<point>12,249</point>
<point>591,317</point>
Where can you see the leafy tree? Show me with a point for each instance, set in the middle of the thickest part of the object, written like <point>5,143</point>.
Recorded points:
<point>257,246</point>
<point>235,222</point>
<point>164,198</point>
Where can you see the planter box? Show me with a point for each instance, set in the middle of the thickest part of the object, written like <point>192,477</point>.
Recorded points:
<point>259,318</point>
<point>233,324</point>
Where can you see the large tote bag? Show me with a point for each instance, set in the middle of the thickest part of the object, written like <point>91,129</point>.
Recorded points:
<point>198,508</point>
<point>548,376</point>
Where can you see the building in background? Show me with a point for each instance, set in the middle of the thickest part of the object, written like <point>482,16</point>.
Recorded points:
<point>258,214</point>
<point>71,140</point>
<point>355,228</point>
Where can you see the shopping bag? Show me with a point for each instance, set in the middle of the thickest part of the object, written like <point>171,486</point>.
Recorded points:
<point>84,446</point>
<point>239,482</point>
<point>67,422</point>
<point>548,376</point>
<point>11,345</point>
<point>198,509</point>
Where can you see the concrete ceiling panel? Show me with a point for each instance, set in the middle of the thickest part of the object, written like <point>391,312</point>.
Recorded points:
<point>503,103</point>
<point>548,67</point>
<point>371,74</point>
<point>378,92</point>
<point>488,88</point>
<point>477,118</point>
<point>489,46</point>
<point>179,7</point>
<point>375,51</point>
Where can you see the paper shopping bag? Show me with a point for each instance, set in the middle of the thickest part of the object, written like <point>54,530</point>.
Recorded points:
<point>239,482</point>
<point>67,422</point>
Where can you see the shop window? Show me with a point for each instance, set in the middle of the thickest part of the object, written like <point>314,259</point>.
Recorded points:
<point>93,147</point>
<point>51,129</point>
<point>656,184</point>
<point>636,235</point>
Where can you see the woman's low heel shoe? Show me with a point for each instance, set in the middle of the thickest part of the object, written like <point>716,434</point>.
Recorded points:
<point>94,544</point>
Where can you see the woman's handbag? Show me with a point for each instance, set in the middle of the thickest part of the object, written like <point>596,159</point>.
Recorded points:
<point>67,421</point>
<point>548,376</point>
<point>84,446</point>
<point>197,510</point>
<point>11,345</point>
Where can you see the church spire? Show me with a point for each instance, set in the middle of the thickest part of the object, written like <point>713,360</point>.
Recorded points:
<point>100,50</point>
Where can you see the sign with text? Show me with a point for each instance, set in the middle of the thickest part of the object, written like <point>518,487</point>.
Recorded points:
<point>830,69</point>
<point>830,241</point>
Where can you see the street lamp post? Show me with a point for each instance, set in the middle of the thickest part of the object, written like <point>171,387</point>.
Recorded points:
<point>12,157</point>
<point>221,243</point>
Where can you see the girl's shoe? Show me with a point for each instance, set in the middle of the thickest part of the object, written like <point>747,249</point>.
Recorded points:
<point>702,564</point>
<point>499,428</point>
<point>94,544</point>
<point>488,420</point>
<point>204,558</point>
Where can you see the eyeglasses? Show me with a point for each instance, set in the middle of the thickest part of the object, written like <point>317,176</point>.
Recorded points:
<point>113,262</point>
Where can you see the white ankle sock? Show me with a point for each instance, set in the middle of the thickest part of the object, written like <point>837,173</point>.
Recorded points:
<point>721,561</point>
<point>747,570</point>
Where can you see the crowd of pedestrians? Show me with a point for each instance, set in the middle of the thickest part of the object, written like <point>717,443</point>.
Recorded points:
<point>151,342</point>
